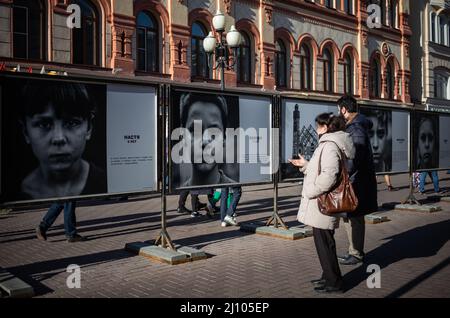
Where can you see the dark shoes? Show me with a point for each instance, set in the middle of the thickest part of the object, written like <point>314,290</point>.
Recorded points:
<point>183,210</point>
<point>350,260</point>
<point>328,290</point>
<point>40,233</point>
<point>76,238</point>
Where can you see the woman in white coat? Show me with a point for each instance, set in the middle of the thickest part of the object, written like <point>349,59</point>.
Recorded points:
<point>333,142</point>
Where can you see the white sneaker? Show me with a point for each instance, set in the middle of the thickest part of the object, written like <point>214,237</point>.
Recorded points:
<point>229,220</point>
<point>223,224</point>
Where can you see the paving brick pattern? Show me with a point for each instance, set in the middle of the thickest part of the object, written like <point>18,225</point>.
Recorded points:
<point>413,250</point>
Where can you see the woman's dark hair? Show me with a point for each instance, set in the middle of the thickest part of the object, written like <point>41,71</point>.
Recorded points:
<point>66,98</point>
<point>187,100</point>
<point>333,123</point>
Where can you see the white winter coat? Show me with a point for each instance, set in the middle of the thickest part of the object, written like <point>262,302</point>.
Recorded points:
<point>314,184</point>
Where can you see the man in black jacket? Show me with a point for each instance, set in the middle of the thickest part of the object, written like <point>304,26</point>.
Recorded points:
<point>362,175</point>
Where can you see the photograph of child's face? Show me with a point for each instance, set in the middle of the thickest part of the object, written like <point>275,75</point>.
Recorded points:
<point>56,139</point>
<point>57,142</point>
<point>211,117</point>
<point>427,138</point>
<point>426,142</point>
<point>380,138</point>
<point>205,118</point>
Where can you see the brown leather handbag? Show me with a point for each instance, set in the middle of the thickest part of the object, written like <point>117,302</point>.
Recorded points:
<point>341,198</point>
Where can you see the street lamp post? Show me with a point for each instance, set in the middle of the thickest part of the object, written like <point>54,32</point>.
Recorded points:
<point>233,41</point>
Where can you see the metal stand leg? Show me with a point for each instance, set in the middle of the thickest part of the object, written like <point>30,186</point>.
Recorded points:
<point>411,199</point>
<point>275,219</point>
<point>163,238</point>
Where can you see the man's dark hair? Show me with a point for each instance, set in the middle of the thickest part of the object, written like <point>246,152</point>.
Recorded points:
<point>66,98</point>
<point>187,100</point>
<point>349,103</point>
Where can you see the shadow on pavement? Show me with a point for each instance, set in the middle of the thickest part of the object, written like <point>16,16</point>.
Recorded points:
<point>419,242</point>
<point>34,274</point>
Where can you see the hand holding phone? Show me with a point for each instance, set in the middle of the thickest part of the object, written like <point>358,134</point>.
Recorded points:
<point>300,162</point>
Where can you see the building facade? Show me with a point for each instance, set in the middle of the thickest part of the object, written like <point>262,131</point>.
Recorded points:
<point>305,48</point>
<point>430,54</point>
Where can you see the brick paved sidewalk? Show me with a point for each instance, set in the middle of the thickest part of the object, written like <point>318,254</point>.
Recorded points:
<point>412,249</point>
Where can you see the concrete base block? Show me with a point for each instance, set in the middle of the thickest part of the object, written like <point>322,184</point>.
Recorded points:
<point>193,253</point>
<point>418,208</point>
<point>182,255</point>
<point>14,287</point>
<point>289,234</point>
<point>445,199</point>
<point>376,218</point>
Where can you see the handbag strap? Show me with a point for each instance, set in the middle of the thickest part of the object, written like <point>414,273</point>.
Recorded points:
<point>341,161</point>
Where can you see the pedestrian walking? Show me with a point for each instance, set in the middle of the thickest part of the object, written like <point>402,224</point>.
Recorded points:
<point>70,221</point>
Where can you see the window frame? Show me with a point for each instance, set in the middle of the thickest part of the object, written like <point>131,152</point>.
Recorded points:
<point>146,30</point>
<point>349,74</point>
<point>375,90</point>
<point>243,64</point>
<point>305,68</point>
<point>282,52</point>
<point>97,36</point>
<point>328,71</point>
<point>199,48</point>
<point>390,80</point>
<point>41,37</point>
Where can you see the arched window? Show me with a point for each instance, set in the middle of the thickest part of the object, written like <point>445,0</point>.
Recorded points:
<point>199,59</point>
<point>433,27</point>
<point>348,74</point>
<point>348,6</point>
<point>375,79</point>
<point>28,29</point>
<point>147,43</point>
<point>393,13</point>
<point>390,81</point>
<point>328,73</point>
<point>305,68</point>
<point>86,40</point>
<point>441,85</point>
<point>244,62</point>
<point>281,64</point>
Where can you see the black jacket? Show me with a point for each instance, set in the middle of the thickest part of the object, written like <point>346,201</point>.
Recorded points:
<point>361,169</point>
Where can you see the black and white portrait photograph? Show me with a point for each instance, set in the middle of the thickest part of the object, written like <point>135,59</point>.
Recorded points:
<point>380,137</point>
<point>212,112</point>
<point>426,143</point>
<point>54,137</point>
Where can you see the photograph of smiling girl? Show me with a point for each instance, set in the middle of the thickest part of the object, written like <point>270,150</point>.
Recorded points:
<point>426,141</point>
<point>380,137</point>
<point>214,111</point>
<point>56,140</point>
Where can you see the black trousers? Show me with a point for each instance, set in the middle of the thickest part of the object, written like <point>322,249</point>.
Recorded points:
<point>194,199</point>
<point>326,250</point>
<point>183,197</point>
